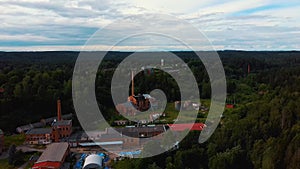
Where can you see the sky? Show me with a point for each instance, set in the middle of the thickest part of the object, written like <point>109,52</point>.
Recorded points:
<point>49,25</point>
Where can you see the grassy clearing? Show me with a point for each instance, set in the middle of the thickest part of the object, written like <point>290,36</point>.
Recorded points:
<point>20,159</point>
<point>172,113</point>
<point>205,102</point>
<point>4,164</point>
<point>17,140</point>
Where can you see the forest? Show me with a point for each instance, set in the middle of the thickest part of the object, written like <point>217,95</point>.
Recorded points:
<point>261,131</point>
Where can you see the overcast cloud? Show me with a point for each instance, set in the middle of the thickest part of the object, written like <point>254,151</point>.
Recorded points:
<point>68,24</point>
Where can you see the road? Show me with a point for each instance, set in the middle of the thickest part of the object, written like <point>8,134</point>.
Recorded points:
<point>25,148</point>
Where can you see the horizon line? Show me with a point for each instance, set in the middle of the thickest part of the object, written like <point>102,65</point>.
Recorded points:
<point>124,51</point>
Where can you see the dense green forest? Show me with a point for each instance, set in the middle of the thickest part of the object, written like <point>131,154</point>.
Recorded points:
<point>262,131</point>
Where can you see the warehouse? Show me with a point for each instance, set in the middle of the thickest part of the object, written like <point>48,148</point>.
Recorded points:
<point>53,157</point>
<point>1,141</point>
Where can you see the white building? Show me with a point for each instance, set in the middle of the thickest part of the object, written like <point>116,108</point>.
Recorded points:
<point>93,161</point>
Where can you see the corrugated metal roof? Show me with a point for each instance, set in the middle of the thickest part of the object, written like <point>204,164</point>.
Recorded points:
<point>102,143</point>
<point>111,135</point>
<point>39,131</point>
<point>24,128</point>
<point>157,128</point>
<point>132,131</point>
<point>63,123</point>
<point>66,116</point>
<point>54,152</point>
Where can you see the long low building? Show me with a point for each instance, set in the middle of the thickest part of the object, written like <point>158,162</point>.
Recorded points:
<point>42,123</point>
<point>39,136</point>
<point>1,141</point>
<point>187,126</point>
<point>53,157</point>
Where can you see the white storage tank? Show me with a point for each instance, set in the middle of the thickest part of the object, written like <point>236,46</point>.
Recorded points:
<point>93,162</point>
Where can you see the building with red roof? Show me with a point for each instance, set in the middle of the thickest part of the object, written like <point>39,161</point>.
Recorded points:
<point>229,106</point>
<point>189,126</point>
<point>47,165</point>
<point>53,157</point>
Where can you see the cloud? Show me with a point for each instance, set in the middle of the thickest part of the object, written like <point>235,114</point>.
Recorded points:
<point>25,37</point>
<point>236,24</point>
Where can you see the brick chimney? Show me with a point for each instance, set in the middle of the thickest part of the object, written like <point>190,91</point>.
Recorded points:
<point>58,110</point>
<point>132,84</point>
<point>249,69</point>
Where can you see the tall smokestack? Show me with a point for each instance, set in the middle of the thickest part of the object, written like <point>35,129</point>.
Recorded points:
<point>249,69</point>
<point>132,84</point>
<point>58,110</point>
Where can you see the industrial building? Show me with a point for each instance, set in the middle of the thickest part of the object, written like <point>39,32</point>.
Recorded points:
<point>76,138</point>
<point>136,103</point>
<point>60,129</point>
<point>53,157</point>
<point>142,131</point>
<point>1,141</point>
<point>118,139</point>
<point>39,136</point>
<point>186,126</point>
<point>42,123</point>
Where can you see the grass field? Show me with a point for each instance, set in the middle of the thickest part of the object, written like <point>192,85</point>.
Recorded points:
<point>171,113</point>
<point>21,158</point>
<point>17,140</point>
<point>4,164</point>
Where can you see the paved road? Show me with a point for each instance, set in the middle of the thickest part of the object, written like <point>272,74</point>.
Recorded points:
<point>26,148</point>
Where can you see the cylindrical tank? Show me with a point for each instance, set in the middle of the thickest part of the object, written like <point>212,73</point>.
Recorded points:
<point>93,161</point>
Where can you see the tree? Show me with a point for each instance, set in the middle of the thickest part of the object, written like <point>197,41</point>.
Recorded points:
<point>178,160</point>
<point>153,166</point>
<point>11,154</point>
<point>152,148</point>
<point>234,158</point>
<point>18,92</point>
<point>169,163</point>
<point>206,91</point>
